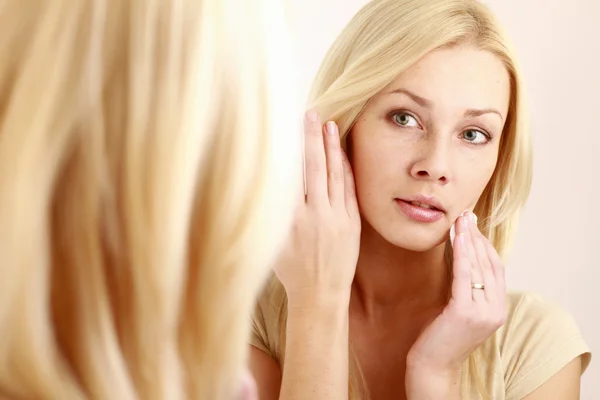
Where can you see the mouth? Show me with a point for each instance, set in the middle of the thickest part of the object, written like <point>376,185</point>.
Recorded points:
<point>421,209</point>
<point>428,202</point>
<point>423,205</point>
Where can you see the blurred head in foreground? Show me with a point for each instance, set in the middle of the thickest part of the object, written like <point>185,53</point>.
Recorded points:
<point>139,203</point>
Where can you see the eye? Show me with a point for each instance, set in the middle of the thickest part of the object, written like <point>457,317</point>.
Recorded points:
<point>475,137</point>
<point>405,120</point>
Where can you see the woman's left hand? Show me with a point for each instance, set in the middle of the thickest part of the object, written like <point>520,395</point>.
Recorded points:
<point>471,316</point>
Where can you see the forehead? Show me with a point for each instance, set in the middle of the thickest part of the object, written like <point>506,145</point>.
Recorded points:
<point>458,77</point>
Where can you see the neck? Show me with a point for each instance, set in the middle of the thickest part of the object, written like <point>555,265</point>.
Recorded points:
<point>391,279</point>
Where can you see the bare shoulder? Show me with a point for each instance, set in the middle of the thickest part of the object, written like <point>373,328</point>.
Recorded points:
<point>266,373</point>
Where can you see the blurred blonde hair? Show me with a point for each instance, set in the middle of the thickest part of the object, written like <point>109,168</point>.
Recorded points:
<point>148,175</point>
<point>384,39</point>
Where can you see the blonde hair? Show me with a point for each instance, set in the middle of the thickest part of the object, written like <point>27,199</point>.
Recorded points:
<point>384,39</point>
<point>148,175</point>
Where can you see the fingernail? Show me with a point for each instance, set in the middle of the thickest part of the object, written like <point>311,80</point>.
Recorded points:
<point>464,219</point>
<point>473,217</point>
<point>452,234</point>
<point>331,128</point>
<point>312,116</point>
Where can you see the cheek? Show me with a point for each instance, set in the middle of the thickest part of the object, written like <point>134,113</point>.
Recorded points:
<point>365,171</point>
<point>380,157</point>
<point>378,169</point>
<point>474,175</point>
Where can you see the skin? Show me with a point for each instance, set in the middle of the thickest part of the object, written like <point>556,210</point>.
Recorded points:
<point>414,139</point>
<point>434,132</point>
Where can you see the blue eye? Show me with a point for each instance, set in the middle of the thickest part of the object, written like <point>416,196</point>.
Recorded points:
<point>405,120</point>
<point>474,136</point>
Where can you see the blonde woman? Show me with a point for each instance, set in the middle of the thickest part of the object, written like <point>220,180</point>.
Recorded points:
<point>427,101</point>
<point>147,171</point>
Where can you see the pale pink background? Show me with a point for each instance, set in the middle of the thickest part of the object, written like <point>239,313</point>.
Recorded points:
<point>557,251</point>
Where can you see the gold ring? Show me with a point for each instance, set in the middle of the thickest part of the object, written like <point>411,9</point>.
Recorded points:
<point>478,286</point>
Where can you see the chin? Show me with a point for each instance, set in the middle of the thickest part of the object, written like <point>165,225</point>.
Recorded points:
<point>415,242</point>
<point>417,237</point>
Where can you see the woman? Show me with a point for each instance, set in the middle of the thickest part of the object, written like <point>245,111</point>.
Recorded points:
<point>427,101</point>
<point>144,166</point>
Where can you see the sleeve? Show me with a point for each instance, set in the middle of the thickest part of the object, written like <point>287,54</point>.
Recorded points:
<point>265,319</point>
<point>258,336</point>
<point>541,339</point>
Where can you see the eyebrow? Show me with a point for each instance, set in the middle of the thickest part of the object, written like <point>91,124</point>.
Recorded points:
<point>423,102</point>
<point>476,113</point>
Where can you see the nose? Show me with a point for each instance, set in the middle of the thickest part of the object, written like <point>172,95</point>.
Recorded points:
<point>432,161</point>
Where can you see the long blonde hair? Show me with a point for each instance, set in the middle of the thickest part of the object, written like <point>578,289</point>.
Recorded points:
<point>148,175</point>
<point>384,39</point>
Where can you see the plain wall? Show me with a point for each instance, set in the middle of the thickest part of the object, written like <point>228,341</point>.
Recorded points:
<point>557,248</point>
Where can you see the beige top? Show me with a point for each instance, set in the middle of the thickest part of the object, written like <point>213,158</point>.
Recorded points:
<point>538,339</point>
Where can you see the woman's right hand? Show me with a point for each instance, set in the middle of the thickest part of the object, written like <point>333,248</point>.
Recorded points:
<point>322,250</point>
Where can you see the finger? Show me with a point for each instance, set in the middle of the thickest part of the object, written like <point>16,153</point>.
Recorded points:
<point>484,265</point>
<point>335,168</point>
<point>461,271</point>
<point>315,162</point>
<point>460,225</point>
<point>476,276</point>
<point>498,271</point>
<point>349,187</point>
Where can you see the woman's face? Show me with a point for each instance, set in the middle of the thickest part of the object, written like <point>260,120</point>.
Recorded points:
<point>431,137</point>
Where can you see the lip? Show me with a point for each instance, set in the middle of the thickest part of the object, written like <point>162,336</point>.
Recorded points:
<point>429,200</point>
<point>421,214</point>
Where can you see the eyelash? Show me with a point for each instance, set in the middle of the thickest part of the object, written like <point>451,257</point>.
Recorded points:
<point>482,131</point>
